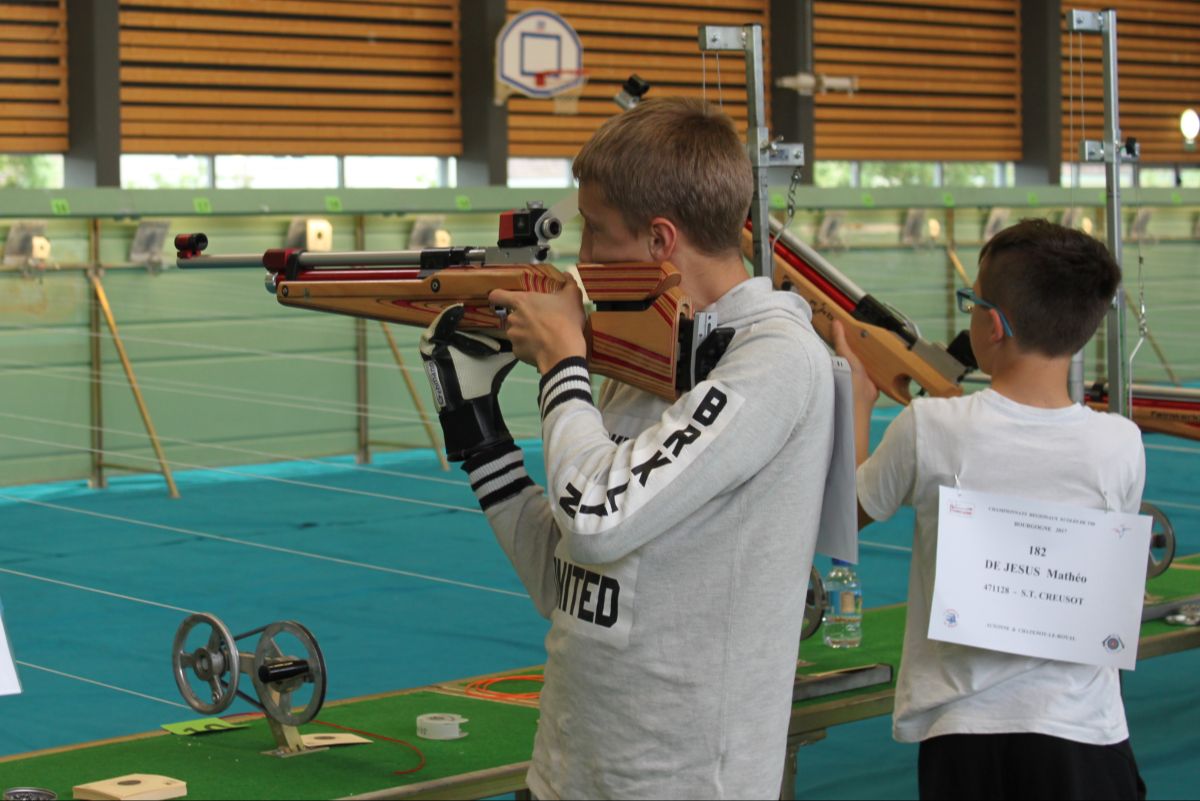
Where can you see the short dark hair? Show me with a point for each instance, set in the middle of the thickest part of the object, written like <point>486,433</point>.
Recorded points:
<point>678,157</point>
<point>1054,284</point>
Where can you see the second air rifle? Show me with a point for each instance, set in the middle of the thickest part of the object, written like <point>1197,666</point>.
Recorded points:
<point>894,354</point>
<point>640,330</point>
<point>896,357</point>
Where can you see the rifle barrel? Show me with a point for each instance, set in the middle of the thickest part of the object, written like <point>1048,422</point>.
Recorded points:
<point>347,259</point>
<point>817,262</point>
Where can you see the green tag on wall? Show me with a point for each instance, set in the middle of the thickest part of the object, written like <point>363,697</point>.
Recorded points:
<point>948,199</point>
<point>60,206</point>
<point>333,203</point>
<point>778,201</point>
<point>462,202</point>
<point>868,199</point>
<point>202,205</point>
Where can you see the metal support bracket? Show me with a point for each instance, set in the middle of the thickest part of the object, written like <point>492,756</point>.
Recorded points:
<point>1112,151</point>
<point>1094,150</point>
<point>764,153</point>
<point>1085,21</point>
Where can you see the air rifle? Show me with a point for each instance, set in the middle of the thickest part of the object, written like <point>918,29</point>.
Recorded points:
<point>1160,410</point>
<point>641,329</point>
<point>894,355</point>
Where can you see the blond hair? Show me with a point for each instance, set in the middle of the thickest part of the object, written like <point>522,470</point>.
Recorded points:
<point>674,157</point>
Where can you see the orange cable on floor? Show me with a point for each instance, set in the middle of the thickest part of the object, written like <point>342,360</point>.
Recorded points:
<point>481,688</point>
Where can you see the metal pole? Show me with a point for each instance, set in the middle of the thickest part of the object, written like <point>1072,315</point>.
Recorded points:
<point>98,480</point>
<point>758,138</point>
<point>763,153</point>
<point>1118,378</point>
<point>953,266</point>
<point>102,298</point>
<point>363,452</point>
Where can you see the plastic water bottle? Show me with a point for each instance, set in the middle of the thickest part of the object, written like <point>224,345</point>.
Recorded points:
<point>842,622</point>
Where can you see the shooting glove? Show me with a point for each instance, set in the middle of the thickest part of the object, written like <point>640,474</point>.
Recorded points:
<point>465,372</point>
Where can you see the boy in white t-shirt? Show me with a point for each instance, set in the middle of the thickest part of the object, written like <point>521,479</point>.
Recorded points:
<point>991,724</point>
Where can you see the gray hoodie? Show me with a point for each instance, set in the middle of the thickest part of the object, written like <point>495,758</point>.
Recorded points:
<point>670,552</point>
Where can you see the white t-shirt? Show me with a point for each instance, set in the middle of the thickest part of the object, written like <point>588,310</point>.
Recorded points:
<point>1071,455</point>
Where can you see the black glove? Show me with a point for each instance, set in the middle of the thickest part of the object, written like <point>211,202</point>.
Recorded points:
<point>465,372</point>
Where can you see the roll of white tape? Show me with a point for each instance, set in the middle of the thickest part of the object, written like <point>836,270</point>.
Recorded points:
<point>438,726</point>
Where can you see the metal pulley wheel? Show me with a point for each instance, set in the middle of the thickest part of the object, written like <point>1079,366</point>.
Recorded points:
<point>215,663</point>
<point>814,605</point>
<point>277,676</point>
<point>1162,541</point>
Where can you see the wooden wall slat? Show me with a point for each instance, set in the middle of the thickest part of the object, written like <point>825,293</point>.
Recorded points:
<point>290,77</point>
<point>937,80</point>
<point>214,23</point>
<point>425,12</point>
<point>233,115</point>
<point>315,61</point>
<point>170,99</point>
<point>33,76</point>
<point>294,147</point>
<point>657,39</point>
<point>961,16</point>
<point>1158,68</point>
<point>871,56</point>
<point>44,11</point>
<point>378,48</point>
<point>291,80</point>
<point>632,11</point>
<point>33,144</point>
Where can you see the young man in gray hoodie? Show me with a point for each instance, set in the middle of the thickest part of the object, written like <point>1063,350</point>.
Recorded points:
<point>671,546</point>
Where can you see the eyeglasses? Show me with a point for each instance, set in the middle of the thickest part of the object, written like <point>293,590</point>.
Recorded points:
<point>968,300</point>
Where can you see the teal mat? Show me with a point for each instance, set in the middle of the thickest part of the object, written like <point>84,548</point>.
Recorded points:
<point>97,665</point>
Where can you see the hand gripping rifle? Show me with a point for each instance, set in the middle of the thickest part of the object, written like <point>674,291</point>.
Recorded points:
<point>641,329</point>
<point>894,355</point>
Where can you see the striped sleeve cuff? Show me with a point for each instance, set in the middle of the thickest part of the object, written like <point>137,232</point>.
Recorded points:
<point>497,474</point>
<point>567,380</point>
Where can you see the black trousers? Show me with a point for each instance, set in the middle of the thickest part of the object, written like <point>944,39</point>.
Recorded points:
<point>1019,766</point>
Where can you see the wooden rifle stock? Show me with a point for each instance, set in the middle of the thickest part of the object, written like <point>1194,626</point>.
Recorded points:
<point>1158,410</point>
<point>892,363</point>
<point>633,333</point>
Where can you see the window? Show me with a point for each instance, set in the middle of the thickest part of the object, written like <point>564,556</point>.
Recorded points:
<point>1091,176</point>
<point>882,174</point>
<point>387,172</point>
<point>19,171</point>
<point>973,173</point>
<point>1156,177</point>
<point>835,173</point>
<point>276,172</point>
<point>540,173</point>
<point>165,172</point>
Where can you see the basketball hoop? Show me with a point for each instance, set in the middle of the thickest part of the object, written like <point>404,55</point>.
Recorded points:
<point>570,83</point>
<point>539,55</point>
